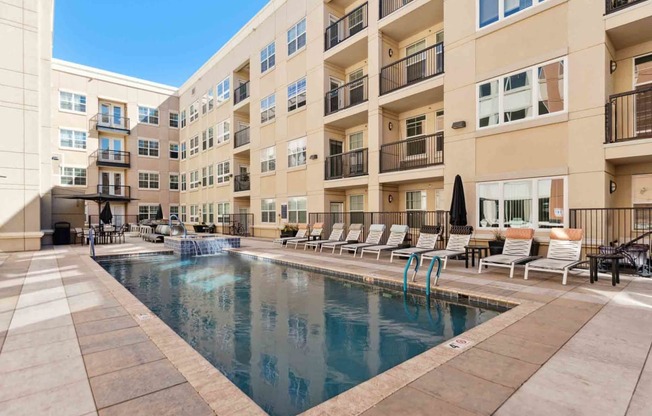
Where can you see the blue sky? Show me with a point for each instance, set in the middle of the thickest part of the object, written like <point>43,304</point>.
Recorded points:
<point>158,40</point>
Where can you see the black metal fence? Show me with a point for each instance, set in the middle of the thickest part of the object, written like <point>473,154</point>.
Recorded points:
<point>106,157</point>
<point>241,137</point>
<point>348,95</point>
<point>235,224</point>
<point>118,220</point>
<point>109,122</point>
<point>241,93</point>
<point>346,27</point>
<point>414,68</point>
<point>390,6</point>
<point>616,5</point>
<point>629,116</point>
<point>114,190</point>
<point>346,165</point>
<point>241,183</point>
<point>413,153</point>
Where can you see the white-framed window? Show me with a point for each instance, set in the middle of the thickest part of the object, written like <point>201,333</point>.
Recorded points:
<point>208,213</point>
<point>208,179</point>
<point>194,111</point>
<point>356,140</point>
<point>184,151</point>
<point>174,151</point>
<point>223,90</point>
<point>148,115</point>
<point>70,101</point>
<point>71,176</point>
<point>195,182</point>
<point>223,131</point>
<point>174,210</point>
<point>524,94</point>
<point>204,103</point>
<point>523,203</point>
<point>415,200</point>
<point>211,99</point>
<point>174,181</point>
<point>72,139</point>
<point>268,159</point>
<point>183,118</point>
<point>174,120</point>
<point>297,152</point>
<point>148,180</point>
<point>184,184</point>
<point>148,147</point>
<point>147,211</point>
<point>492,11</point>
<point>194,213</point>
<point>267,58</point>
<point>297,37</point>
<point>268,108</point>
<point>223,211</point>
<point>194,145</point>
<point>211,175</point>
<point>298,210</point>
<point>268,211</point>
<point>207,138</point>
<point>356,203</point>
<point>297,94</point>
<point>223,171</point>
<point>184,213</point>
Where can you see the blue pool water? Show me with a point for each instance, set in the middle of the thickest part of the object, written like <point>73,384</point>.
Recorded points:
<point>288,338</point>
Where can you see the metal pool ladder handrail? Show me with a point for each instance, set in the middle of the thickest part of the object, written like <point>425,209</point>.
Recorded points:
<point>185,232</point>
<point>415,256</point>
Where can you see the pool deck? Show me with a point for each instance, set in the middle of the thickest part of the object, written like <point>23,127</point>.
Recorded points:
<point>73,341</point>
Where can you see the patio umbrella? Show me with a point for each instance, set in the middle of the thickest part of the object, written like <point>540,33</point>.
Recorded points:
<point>159,212</point>
<point>106,216</point>
<point>458,203</point>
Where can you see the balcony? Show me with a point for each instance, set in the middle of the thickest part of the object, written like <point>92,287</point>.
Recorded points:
<point>388,7</point>
<point>413,153</point>
<point>347,165</point>
<point>241,93</point>
<point>412,69</point>
<point>346,27</point>
<point>348,95</point>
<point>112,158</point>
<point>629,116</point>
<point>241,183</point>
<point>117,191</point>
<point>617,5</point>
<point>241,138</point>
<point>110,123</point>
<point>401,20</point>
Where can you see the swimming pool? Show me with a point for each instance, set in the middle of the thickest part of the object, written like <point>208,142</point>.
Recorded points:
<point>288,338</point>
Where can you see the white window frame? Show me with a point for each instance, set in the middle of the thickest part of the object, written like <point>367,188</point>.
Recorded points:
<point>74,139</point>
<point>171,175</point>
<point>193,112</point>
<point>293,207</point>
<point>149,149</point>
<point>223,172</point>
<point>268,211</point>
<point>195,180</point>
<point>152,117</point>
<point>149,180</point>
<point>295,38</point>
<point>194,213</point>
<point>355,209</point>
<point>223,96</point>
<point>171,119</point>
<point>267,158</point>
<point>266,57</point>
<point>194,145</point>
<point>183,150</point>
<point>207,138</point>
<point>183,182</point>
<point>501,12</point>
<point>268,108</point>
<point>151,211</point>
<point>182,119</point>
<point>223,208</point>
<point>178,151</point>
<point>74,175</point>
<point>295,148</point>
<point>211,99</point>
<point>183,213</point>
<point>295,91</point>
<point>177,213</point>
<point>73,103</point>
<point>423,200</point>
<point>223,131</point>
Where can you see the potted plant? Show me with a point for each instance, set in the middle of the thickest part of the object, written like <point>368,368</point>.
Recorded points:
<point>289,230</point>
<point>496,245</point>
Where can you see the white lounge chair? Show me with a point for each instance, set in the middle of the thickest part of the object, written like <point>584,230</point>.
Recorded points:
<point>355,230</point>
<point>396,237</point>
<point>518,243</point>
<point>336,236</point>
<point>563,253</point>
<point>373,239</point>
<point>428,237</point>
<point>301,233</point>
<point>459,238</point>
<point>316,232</point>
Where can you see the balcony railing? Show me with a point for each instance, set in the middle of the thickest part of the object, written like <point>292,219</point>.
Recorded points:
<point>390,6</point>
<point>108,122</point>
<point>347,165</point>
<point>241,137</point>
<point>241,93</point>
<point>114,190</point>
<point>346,27</point>
<point>241,183</point>
<point>413,153</point>
<point>113,158</point>
<point>616,5</point>
<point>629,116</point>
<point>348,95</point>
<point>415,68</point>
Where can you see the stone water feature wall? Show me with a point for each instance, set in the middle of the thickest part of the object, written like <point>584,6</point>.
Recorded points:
<point>187,246</point>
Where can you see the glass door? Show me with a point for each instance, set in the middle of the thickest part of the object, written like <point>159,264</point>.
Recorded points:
<point>112,115</point>
<point>335,99</point>
<point>356,89</point>
<point>416,64</point>
<point>643,101</point>
<point>111,183</point>
<point>111,150</point>
<point>337,212</point>
<point>335,167</point>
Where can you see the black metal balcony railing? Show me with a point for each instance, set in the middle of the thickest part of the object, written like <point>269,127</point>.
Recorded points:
<point>414,68</point>
<point>115,158</point>
<point>241,137</point>
<point>241,183</point>
<point>413,153</point>
<point>616,5</point>
<point>346,27</point>
<point>348,95</point>
<point>390,6</point>
<point>241,93</point>
<point>114,190</point>
<point>109,122</point>
<point>347,165</point>
<point>628,116</point>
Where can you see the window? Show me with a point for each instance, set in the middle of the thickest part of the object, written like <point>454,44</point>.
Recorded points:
<point>415,129</point>
<point>184,153</point>
<point>268,211</point>
<point>148,180</point>
<point>297,37</point>
<point>148,115</point>
<point>148,147</point>
<point>268,159</point>
<point>267,57</point>
<point>205,176</point>
<point>70,101</point>
<point>194,145</point>
<point>491,11</point>
<point>223,131</point>
<point>534,92</point>
<point>211,214</point>
<point>297,94</point>
<point>211,176</point>
<point>211,99</point>
<point>356,140</point>
<point>174,181</point>
<point>356,207</point>
<point>72,139</point>
<point>147,212</point>
<point>268,108</point>
<point>223,90</point>
<point>174,151</point>
<point>174,119</point>
<point>297,210</point>
<point>73,176</point>
<point>174,210</point>
<point>204,103</point>
<point>207,138</point>
<point>195,182</point>
<point>223,172</point>
<point>415,201</point>
<point>183,119</point>
<point>297,152</point>
<point>184,211</point>
<point>184,185</point>
<point>194,111</point>
<point>194,213</point>
<point>223,211</point>
<point>415,126</point>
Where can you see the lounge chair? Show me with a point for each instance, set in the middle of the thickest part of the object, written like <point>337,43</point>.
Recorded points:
<point>316,232</point>
<point>563,253</point>
<point>373,239</point>
<point>396,237</point>
<point>301,233</point>
<point>459,238</point>
<point>336,236</point>
<point>355,230</point>
<point>428,236</point>
<point>518,243</point>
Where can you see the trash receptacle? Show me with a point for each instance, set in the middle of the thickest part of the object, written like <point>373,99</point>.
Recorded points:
<point>61,233</point>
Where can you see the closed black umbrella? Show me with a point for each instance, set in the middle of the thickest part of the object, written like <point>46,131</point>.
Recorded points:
<point>106,216</point>
<point>458,203</point>
<point>159,212</point>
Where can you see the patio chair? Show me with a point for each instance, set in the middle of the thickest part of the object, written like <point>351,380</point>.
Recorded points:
<point>518,243</point>
<point>301,233</point>
<point>373,239</point>
<point>428,237</point>
<point>315,233</point>
<point>459,238</point>
<point>563,253</point>
<point>396,237</point>
<point>336,236</point>
<point>355,230</point>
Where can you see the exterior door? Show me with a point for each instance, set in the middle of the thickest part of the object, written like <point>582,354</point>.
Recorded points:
<point>118,215</point>
<point>416,64</point>
<point>337,212</point>
<point>111,150</point>
<point>112,115</point>
<point>111,183</point>
<point>335,166</point>
<point>333,33</point>
<point>335,95</point>
<point>356,89</point>
<point>643,102</point>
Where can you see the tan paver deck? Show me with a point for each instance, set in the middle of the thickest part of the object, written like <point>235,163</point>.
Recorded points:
<point>73,341</point>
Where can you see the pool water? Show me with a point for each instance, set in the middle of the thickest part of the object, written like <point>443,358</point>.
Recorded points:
<point>288,338</point>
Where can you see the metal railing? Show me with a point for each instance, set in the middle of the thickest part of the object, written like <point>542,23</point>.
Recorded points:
<point>109,122</point>
<point>235,224</point>
<point>118,220</point>
<point>241,183</point>
<point>390,6</point>
<point>413,153</point>
<point>348,95</point>
<point>241,137</point>
<point>241,93</point>
<point>114,190</point>
<point>628,116</point>
<point>616,5</point>
<point>346,165</point>
<point>105,157</point>
<point>349,25</point>
<point>414,68</point>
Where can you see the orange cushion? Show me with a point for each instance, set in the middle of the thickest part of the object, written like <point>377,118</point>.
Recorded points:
<point>570,234</point>
<point>520,233</point>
